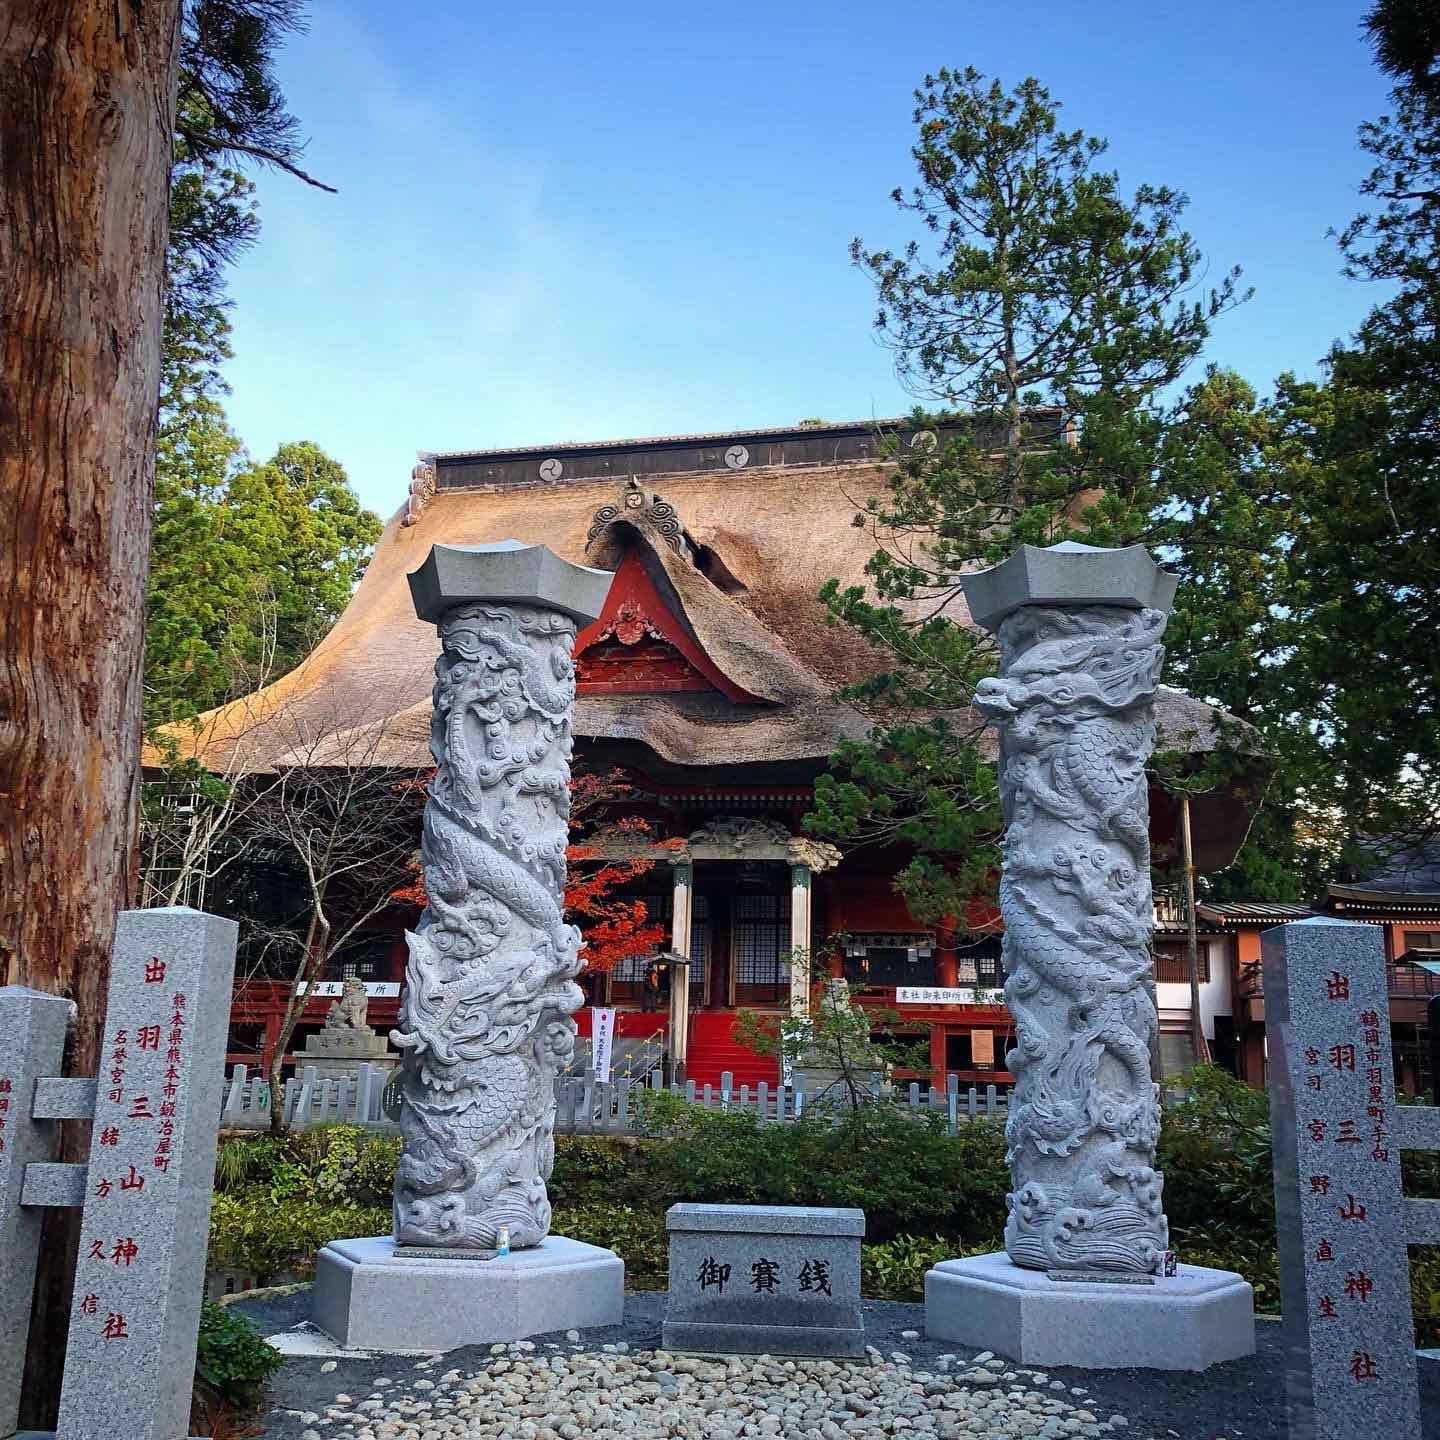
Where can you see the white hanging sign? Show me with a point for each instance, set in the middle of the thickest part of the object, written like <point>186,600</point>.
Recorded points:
<point>933,995</point>
<point>602,1040</point>
<point>947,995</point>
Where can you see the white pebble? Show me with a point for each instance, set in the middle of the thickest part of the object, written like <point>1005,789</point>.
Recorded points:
<point>327,1367</point>
<point>520,1395</point>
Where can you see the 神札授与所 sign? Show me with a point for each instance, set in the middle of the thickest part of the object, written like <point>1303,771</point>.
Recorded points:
<point>1345,1282</point>
<point>374,989</point>
<point>757,1279</point>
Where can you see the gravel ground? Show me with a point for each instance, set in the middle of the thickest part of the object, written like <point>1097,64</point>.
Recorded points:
<point>571,1386</point>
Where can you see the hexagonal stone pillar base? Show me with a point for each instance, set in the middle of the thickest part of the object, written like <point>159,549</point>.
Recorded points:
<point>367,1297</point>
<point>1188,1321</point>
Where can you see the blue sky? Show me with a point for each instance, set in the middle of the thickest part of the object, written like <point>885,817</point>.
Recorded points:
<point>580,221</point>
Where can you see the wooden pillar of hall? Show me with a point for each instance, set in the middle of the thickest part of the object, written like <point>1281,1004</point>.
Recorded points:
<point>947,967</point>
<point>800,877</point>
<point>937,1055</point>
<point>683,880</point>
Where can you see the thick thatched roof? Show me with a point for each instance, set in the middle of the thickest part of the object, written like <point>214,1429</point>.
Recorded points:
<point>739,556</point>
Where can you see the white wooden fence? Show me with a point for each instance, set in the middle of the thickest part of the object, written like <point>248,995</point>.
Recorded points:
<point>584,1106</point>
<point>308,1100</point>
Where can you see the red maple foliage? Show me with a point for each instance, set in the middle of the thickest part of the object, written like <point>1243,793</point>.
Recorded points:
<point>613,926</point>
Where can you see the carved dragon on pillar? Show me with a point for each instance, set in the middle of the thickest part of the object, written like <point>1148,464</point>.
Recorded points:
<point>1074,705</point>
<point>490,981</point>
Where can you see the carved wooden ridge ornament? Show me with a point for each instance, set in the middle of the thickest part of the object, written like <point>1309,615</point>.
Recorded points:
<point>421,492</point>
<point>636,502</point>
<point>1079,634</point>
<point>630,626</point>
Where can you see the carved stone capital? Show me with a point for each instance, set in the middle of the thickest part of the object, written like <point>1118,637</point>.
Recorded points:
<point>1068,574</point>
<point>506,573</point>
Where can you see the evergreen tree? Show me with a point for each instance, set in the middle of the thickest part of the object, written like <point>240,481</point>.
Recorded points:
<point>1368,543</point>
<point>212,220</point>
<point>251,564</point>
<point>1406,37</point>
<point>228,105</point>
<point>1054,317</point>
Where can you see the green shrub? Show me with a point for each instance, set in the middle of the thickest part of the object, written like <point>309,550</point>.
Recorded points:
<point>896,1269</point>
<point>341,1164</point>
<point>232,1357</point>
<point>926,1195</point>
<point>1215,1153</point>
<point>1425,1294</point>
<point>904,1171</point>
<point>244,1161</point>
<point>637,1236</point>
<point>349,1165</point>
<point>601,1170</point>
<point>259,1235</point>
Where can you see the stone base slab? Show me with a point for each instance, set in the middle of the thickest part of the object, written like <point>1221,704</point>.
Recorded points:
<point>1189,1321</point>
<point>369,1298</point>
<point>710,1338</point>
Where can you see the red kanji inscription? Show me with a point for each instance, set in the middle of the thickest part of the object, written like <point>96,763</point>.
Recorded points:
<point>1358,1285</point>
<point>1362,1366</point>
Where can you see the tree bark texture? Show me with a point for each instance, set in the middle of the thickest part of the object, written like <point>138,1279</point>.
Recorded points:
<point>87,93</point>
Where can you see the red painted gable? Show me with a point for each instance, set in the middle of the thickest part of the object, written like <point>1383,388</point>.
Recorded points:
<point>640,646</point>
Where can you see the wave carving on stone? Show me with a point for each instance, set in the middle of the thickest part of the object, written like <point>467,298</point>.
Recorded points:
<point>1074,705</point>
<point>485,1019</point>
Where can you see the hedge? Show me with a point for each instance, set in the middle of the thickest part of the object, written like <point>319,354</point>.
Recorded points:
<point>926,1195</point>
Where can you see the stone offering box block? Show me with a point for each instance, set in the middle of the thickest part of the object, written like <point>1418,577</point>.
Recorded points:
<point>763,1279</point>
<point>1188,1321</point>
<point>339,1054</point>
<point>368,1297</point>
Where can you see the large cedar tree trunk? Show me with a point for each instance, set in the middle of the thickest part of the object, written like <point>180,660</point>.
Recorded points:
<point>87,94</point>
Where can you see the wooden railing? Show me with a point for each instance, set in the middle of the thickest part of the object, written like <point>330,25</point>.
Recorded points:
<point>585,1106</point>
<point>1406,982</point>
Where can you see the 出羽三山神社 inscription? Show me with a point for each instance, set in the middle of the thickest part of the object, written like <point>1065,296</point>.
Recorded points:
<point>1344,1271</point>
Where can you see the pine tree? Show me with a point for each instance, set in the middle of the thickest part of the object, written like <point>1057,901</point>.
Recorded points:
<point>1053,317</point>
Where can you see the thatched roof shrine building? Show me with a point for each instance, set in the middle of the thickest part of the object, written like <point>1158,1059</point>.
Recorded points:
<point>711,678</point>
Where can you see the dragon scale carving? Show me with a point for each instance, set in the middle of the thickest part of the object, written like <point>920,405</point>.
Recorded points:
<point>484,1022</point>
<point>1074,705</point>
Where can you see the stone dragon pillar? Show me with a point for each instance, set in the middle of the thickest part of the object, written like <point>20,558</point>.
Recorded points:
<point>1080,655</point>
<point>485,1020</point>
